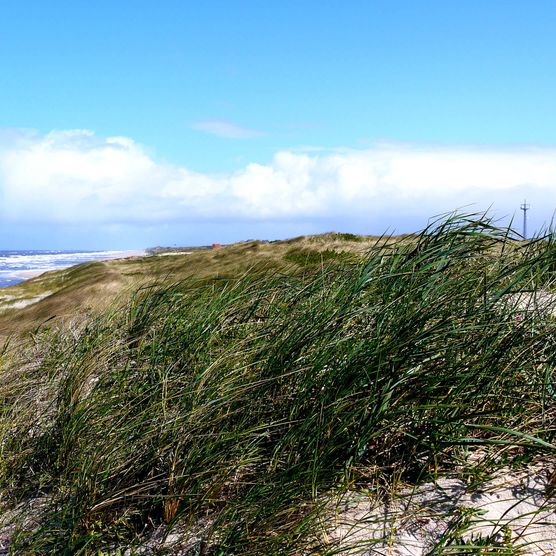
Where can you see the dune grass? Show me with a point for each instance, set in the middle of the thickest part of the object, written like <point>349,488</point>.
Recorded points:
<point>64,295</point>
<point>231,409</point>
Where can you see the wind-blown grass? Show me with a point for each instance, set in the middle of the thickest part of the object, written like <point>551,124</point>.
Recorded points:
<point>235,407</point>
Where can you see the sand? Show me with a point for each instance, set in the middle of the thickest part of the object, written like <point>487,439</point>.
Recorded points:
<point>513,509</point>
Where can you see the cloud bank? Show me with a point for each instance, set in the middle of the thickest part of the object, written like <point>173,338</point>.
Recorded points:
<point>74,177</point>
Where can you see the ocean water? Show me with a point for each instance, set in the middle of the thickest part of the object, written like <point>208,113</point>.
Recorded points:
<point>16,266</point>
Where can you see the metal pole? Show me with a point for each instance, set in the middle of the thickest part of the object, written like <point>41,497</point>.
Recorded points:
<point>525,207</point>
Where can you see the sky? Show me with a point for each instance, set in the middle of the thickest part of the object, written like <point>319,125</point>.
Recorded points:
<point>137,123</point>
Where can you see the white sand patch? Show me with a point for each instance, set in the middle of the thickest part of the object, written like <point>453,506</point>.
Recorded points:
<point>28,274</point>
<point>174,253</point>
<point>20,303</point>
<point>511,510</point>
<point>533,301</point>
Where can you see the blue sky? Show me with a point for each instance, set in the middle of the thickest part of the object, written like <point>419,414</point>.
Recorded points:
<point>216,95</point>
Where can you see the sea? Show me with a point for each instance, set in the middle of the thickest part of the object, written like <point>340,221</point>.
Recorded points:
<point>17,266</point>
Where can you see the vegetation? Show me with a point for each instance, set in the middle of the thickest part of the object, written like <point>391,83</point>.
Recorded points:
<point>86,290</point>
<point>349,237</point>
<point>233,408</point>
<point>311,257</point>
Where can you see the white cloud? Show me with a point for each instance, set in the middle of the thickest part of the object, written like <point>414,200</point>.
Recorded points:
<point>228,130</point>
<point>76,177</point>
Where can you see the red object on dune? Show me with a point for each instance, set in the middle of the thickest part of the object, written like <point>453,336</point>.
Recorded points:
<point>216,245</point>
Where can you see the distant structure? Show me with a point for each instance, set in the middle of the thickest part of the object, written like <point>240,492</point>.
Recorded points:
<point>216,245</point>
<point>525,207</point>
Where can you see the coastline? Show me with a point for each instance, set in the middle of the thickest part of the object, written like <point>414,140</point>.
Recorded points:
<point>23,275</point>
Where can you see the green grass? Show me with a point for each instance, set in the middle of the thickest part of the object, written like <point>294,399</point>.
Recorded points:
<point>311,257</point>
<point>239,404</point>
<point>92,287</point>
<point>349,237</point>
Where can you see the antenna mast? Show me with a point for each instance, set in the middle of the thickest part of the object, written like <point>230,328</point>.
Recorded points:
<point>525,207</point>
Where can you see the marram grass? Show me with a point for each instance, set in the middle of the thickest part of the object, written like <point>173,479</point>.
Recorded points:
<point>234,408</point>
